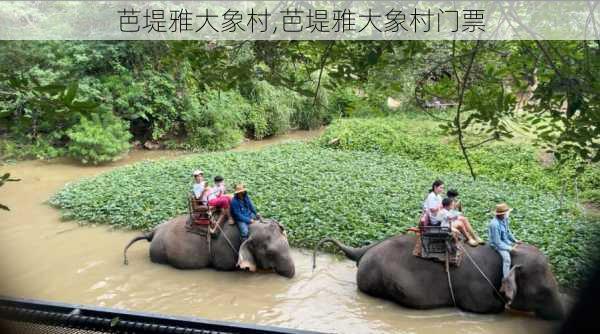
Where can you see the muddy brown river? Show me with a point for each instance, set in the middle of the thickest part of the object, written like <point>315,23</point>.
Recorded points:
<point>44,258</point>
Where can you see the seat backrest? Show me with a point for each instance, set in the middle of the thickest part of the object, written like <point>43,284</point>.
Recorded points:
<point>194,202</point>
<point>436,231</point>
<point>200,212</point>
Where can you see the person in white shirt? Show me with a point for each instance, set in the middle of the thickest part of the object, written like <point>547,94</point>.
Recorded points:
<point>199,184</point>
<point>433,202</point>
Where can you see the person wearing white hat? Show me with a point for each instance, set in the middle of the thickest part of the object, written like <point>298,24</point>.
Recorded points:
<point>199,184</point>
<point>501,238</point>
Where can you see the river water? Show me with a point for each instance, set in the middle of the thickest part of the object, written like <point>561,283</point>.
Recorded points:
<point>44,258</point>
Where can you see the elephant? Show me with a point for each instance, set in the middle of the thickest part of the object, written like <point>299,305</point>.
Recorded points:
<point>266,248</point>
<point>389,270</point>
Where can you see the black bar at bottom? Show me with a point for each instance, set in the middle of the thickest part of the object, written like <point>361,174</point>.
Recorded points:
<point>121,321</point>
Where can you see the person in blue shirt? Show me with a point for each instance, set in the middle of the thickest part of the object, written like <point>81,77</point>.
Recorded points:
<point>242,210</point>
<point>501,239</point>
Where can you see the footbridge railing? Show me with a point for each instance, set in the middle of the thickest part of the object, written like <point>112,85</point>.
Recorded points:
<point>45,317</point>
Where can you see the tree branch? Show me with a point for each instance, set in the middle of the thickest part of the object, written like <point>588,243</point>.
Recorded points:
<point>482,142</point>
<point>323,61</point>
<point>462,85</point>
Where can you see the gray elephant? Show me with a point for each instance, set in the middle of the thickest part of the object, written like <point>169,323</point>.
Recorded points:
<point>267,248</point>
<point>389,270</point>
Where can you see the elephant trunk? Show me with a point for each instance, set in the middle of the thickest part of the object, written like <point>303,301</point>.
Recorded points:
<point>285,267</point>
<point>553,309</point>
<point>145,236</point>
<point>352,253</point>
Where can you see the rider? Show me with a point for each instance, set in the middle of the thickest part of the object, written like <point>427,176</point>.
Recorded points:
<point>446,215</point>
<point>217,198</point>
<point>462,223</point>
<point>199,184</point>
<point>453,195</point>
<point>501,239</point>
<point>243,210</point>
<point>433,202</point>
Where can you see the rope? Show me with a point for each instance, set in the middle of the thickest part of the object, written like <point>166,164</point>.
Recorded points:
<point>482,273</point>
<point>209,242</point>
<point>228,241</point>
<point>449,279</point>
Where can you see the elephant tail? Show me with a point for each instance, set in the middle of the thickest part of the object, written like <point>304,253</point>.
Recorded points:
<point>146,236</point>
<point>352,253</point>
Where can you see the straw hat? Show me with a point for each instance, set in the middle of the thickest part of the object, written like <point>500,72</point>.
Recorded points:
<point>502,208</point>
<point>197,172</point>
<point>239,188</point>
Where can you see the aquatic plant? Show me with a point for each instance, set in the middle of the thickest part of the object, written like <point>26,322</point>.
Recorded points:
<point>358,197</point>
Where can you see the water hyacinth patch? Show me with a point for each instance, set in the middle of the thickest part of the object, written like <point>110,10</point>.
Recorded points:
<point>357,197</point>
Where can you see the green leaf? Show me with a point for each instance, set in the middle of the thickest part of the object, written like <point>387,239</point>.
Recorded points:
<point>71,93</point>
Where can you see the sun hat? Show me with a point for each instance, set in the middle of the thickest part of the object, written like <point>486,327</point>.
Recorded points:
<point>197,172</point>
<point>239,188</point>
<point>502,208</point>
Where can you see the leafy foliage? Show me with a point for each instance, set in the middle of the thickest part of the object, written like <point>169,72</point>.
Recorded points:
<point>100,138</point>
<point>272,109</point>
<point>358,197</point>
<point>147,84</point>
<point>488,79</point>
<point>156,86</point>
<point>214,121</point>
<point>420,139</point>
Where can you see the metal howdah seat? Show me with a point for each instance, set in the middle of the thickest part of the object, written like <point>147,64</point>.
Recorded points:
<point>435,241</point>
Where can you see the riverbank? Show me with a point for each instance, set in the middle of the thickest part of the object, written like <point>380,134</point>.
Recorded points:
<point>140,153</point>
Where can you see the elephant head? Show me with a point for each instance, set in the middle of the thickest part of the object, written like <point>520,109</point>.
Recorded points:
<point>267,248</point>
<point>531,286</point>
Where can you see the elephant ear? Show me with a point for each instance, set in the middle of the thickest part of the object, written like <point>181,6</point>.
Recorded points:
<point>281,227</point>
<point>246,259</point>
<point>509,285</point>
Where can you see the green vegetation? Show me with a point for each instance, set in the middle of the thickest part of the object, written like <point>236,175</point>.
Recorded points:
<point>358,197</point>
<point>421,139</point>
<point>192,95</point>
<point>161,88</point>
<point>214,122</point>
<point>101,138</point>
